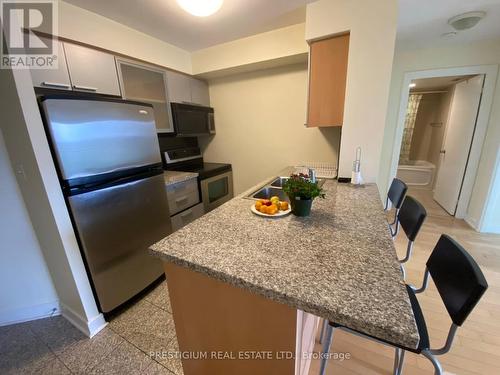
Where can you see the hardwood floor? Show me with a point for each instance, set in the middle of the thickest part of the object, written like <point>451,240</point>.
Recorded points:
<point>476,349</point>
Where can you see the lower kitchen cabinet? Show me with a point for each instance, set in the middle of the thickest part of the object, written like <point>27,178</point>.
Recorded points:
<point>185,217</point>
<point>182,195</point>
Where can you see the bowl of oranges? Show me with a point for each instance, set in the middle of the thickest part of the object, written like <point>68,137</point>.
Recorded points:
<point>271,207</point>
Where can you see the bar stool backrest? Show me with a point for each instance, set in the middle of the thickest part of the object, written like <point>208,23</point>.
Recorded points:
<point>411,217</point>
<point>397,192</point>
<point>457,277</point>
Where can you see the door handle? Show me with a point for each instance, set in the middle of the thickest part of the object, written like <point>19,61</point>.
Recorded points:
<point>442,152</point>
<point>55,84</point>
<point>86,88</point>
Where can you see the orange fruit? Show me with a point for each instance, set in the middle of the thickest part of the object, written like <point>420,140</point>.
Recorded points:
<point>263,209</point>
<point>272,209</point>
<point>283,206</point>
<point>258,205</point>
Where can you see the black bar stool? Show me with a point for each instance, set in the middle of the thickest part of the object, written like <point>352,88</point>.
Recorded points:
<point>460,283</point>
<point>395,195</point>
<point>411,216</point>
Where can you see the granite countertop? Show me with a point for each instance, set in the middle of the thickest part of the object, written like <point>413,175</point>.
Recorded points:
<point>340,263</point>
<point>174,177</point>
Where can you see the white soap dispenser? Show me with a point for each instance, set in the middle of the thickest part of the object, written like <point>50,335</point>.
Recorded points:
<point>356,178</point>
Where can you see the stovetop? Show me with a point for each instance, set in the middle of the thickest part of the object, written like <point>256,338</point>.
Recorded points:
<point>184,154</point>
<point>204,170</point>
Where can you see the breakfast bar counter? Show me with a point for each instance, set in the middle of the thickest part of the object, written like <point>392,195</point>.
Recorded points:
<point>339,264</point>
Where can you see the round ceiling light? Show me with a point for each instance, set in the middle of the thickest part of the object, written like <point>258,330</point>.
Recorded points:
<point>466,21</point>
<point>200,8</point>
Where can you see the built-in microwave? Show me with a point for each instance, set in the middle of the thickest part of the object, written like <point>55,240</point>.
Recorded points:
<point>192,120</point>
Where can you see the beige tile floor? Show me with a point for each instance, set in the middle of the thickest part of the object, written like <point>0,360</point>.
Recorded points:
<point>53,346</point>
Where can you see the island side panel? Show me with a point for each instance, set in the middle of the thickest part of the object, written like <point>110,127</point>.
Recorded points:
<point>215,317</point>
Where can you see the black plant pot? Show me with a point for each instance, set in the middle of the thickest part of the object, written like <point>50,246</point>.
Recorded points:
<point>301,207</point>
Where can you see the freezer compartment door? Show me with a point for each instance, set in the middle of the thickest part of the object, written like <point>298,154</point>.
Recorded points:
<point>116,226</point>
<point>95,137</point>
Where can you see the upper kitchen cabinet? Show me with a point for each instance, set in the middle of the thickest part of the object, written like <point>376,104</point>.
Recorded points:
<point>199,92</point>
<point>53,78</point>
<point>91,70</point>
<point>147,84</point>
<point>185,89</point>
<point>179,87</point>
<point>327,81</point>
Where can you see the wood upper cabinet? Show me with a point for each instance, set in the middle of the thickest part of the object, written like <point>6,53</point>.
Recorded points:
<point>327,81</point>
<point>91,70</point>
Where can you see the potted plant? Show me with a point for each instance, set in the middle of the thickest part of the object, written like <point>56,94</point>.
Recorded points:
<point>301,192</point>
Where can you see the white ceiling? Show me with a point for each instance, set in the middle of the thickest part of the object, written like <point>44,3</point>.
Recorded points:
<point>166,20</point>
<point>422,22</point>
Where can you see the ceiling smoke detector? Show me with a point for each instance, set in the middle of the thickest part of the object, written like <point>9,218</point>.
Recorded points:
<point>466,20</point>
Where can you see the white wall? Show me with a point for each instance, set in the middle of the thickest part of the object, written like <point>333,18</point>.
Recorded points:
<point>372,25</point>
<point>479,53</point>
<point>250,53</point>
<point>260,125</point>
<point>81,25</point>
<point>26,289</point>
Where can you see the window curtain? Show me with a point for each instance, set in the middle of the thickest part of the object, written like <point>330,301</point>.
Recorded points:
<point>411,116</point>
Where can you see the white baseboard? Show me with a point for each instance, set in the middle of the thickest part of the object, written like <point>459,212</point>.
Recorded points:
<point>88,328</point>
<point>25,314</point>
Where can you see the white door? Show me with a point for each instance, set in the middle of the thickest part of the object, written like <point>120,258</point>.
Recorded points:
<point>457,142</point>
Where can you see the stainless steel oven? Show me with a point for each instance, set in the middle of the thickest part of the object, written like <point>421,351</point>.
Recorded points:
<point>216,190</point>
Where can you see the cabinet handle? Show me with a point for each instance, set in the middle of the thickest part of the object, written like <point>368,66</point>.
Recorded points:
<point>55,84</point>
<point>179,200</point>
<point>86,88</point>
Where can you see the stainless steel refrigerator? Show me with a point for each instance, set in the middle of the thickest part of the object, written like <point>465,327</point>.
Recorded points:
<point>108,159</point>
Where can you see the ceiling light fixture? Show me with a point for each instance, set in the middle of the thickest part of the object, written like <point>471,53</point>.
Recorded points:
<point>200,8</point>
<point>466,20</point>
<point>412,85</point>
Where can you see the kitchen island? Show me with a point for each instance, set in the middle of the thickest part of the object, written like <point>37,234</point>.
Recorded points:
<point>239,282</point>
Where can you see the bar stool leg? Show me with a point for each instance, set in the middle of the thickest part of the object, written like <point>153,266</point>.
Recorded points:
<point>401,360</point>
<point>322,333</point>
<point>438,370</point>
<point>326,349</point>
<point>396,361</point>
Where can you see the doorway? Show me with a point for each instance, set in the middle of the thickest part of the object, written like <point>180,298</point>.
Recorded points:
<point>437,137</point>
<point>440,161</point>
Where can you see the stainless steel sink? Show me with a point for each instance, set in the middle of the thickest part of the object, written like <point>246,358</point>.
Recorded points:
<point>279,181</point>
<point>268,191</point>
<point>274,188</point>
